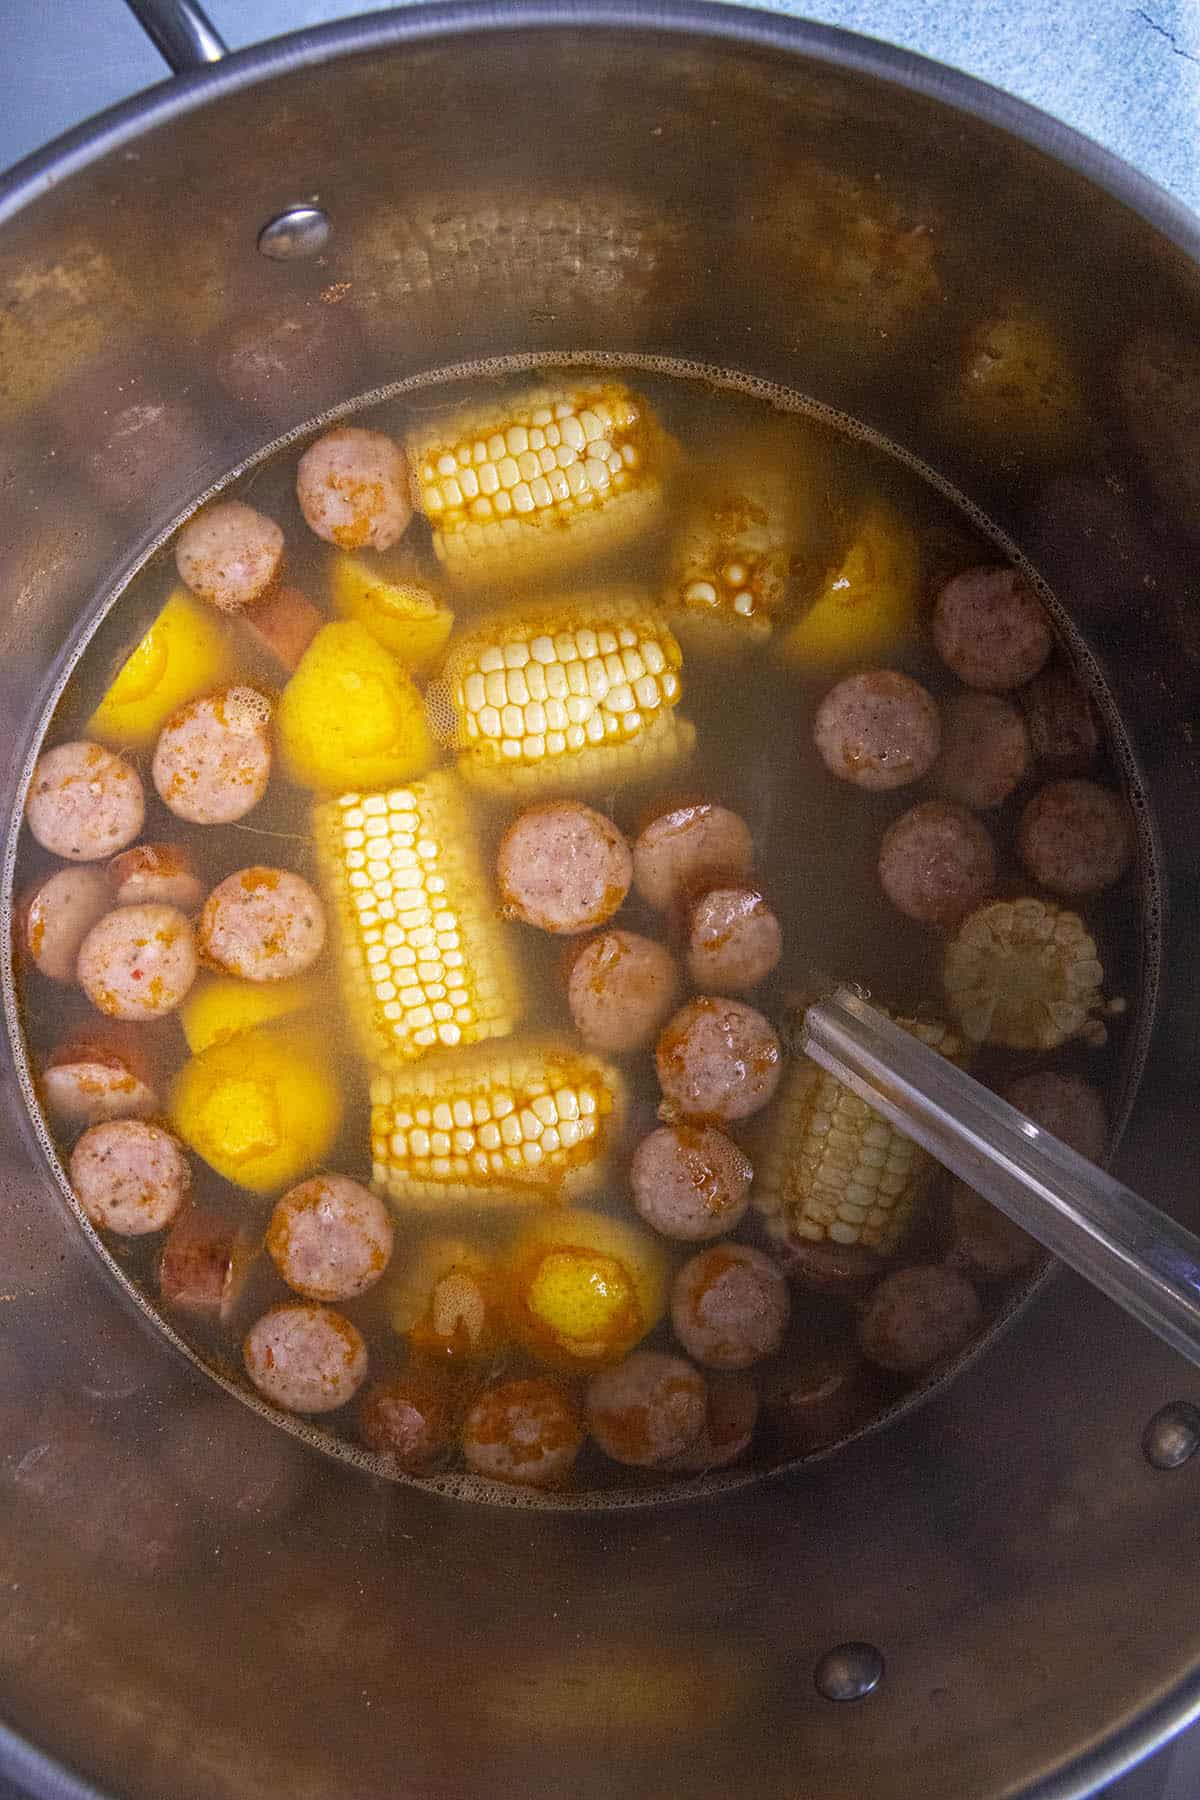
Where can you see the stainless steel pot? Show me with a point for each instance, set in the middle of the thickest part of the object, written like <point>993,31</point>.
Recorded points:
<point>555,176</point>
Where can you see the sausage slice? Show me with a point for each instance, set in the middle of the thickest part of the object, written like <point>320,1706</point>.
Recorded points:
<point>648,1410</point>
<point>734,940</point>
<point>58,916</point>
<point>98,1075</point>
<point>878,730</point>
<point>730,1306</point>
<point>563,867</point>
<point>917,1318</point>
<point>84,803</point>
<point>205,1263</point>
<point>138,962</point>
<point>229,554</point>
<point>621,989</point>
<point>986,749</point>
<point>690,1182</point>
<point>689,846</point>
<point>991,629</point>
<point>163,873</point>
<point>408,1418</point>
<point>263,924</point>
<point>718,1060</point>
<point>937,863</point>
<point>329,1238</point>
<point>129,1176</point>
<point>212,761</point>
<point>1075,838</point>
<point>353,489</point>
<point>528,1432</point>
<point>305,1358</point>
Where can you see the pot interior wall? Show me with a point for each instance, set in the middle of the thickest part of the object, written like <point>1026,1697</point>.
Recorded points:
<point>1023,1569</point>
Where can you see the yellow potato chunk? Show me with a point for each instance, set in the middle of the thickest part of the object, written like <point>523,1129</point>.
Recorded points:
<point>184,653</point>
<point>261,1108</point>
<point>351,717</point>
<point>867,602</point>
<point>221,1006</point>
<point>583,1289</point>
<point>405,615</point>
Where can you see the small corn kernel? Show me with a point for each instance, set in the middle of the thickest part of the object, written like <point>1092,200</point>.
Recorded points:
<point>570,716</point>
<point>542,497</point>
<point>541,1115</point>
<point>416,923</point>
<point>834,1170</point>
<point>1026,974</point>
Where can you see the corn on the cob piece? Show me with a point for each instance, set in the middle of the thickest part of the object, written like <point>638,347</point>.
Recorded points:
<point>1027,974</point>
<point>834,1170</point>
<point>539,480</point>
<point>500,1125</point>
<point>567,694</point>
<point>426,963</point>
<point>731,564</point>
<point>446,1301</point>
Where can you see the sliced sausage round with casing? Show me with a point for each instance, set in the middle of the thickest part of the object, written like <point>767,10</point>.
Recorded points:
<point>212,761</point>
<point>917,1318</point>
<point>621,988</point>
<point>730,1306</point>
<point>690,1182</point>
<point>97,1075</point>
<point>205,1264</point>
<point>734,939</point>
<point>817,1402</point>
<point>408,1418</point>
<point>58,915</point>
<point>528,1432</point>
<point>305,1358</point>
<point>689,846</point>
<point>138,962</point>
<point>263,924</point>
<point>1064,732</point>
<point>353,489</point>
<point>330,1238</point>
<point>718,1060</point>
<point>991,629</point>
<point>937,863</point>
<point>129,1176</point>
<point>878,730</point>
<point>229,554</point>
<point>563,867</point>
<point>986,750</point>
<point>162,874</point>
<point>648,1410</point>
<point>1075,838</point>
<point>729,1423</point>
<point>84,803</point>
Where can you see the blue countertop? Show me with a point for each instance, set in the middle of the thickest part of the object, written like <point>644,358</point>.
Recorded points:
<point>1127,75</point>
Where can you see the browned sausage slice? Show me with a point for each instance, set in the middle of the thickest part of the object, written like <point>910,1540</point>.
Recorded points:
<point>620,990</point>
<point>878,730</point>
<point>818,1402</point>
<point>718,1060</point>
<point>1075,838</point>
<point>129,1176</point>
<point>98,1075</point>
<point>212,761</point>
<point>229,554</point>
<point>688,847</point>
<point>917,1318</point>
<point>990,628</point>
<point>844,1271</point>
<point>408,1418</point>
<point>329,1238</point>
<point>528,1432</point>
<point>1063,729</point>
<point>84,803</point>
<point>205,1264</point>
<point>730,1306</point>
<point>305,1358</point>
<point>649,1409</point>
<point>734,940</point>
<point>563,867</point>
<point>353,489</point>
<point>58,916</point>
<point>986,749</point>
<point>690,1182</point>
<point>138,962</point>
<point>161,873</point>
<point>263,924</point>
<point>937,863</point>
<point>728,1427</point>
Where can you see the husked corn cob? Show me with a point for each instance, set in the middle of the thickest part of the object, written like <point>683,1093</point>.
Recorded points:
<point>425,960</point>
<point>498,1125</point>
<point>536,481</point>
<point>835,1171</point>
<point>1026,974</point>
<point>564,694</point>
<point>731,563</point>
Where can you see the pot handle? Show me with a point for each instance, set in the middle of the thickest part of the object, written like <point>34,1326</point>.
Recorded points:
<point>181,32</point>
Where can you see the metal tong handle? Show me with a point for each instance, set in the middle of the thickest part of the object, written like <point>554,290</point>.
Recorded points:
<point>1127,1248</point>
<point>181,31</point>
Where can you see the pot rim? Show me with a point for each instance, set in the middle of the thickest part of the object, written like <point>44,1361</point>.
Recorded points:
<point>176,96</point>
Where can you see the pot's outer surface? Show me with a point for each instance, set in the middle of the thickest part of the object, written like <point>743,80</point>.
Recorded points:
<point>556,182</point>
